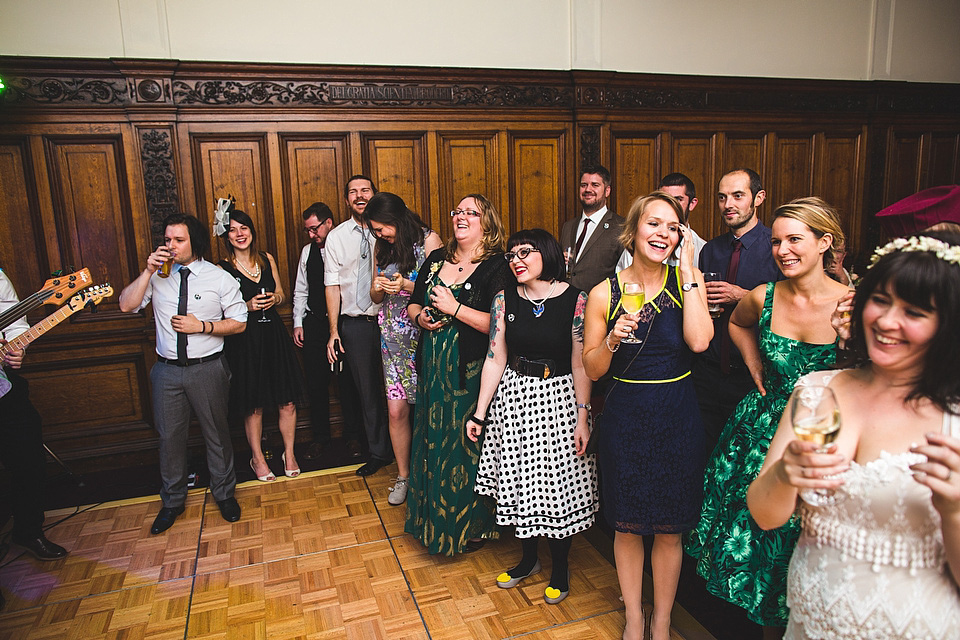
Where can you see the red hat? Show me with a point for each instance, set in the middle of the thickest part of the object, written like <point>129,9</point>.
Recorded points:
<point>921,211</point>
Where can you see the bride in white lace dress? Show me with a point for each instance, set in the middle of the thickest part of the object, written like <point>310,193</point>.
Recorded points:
<point>882,560</point>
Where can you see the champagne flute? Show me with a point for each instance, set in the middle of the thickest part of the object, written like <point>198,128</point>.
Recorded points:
<point>632,300</point>
<point>263,312</point>
<point>815,416</point>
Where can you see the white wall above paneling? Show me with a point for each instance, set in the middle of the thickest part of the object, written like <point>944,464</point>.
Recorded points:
<point>914,40</point>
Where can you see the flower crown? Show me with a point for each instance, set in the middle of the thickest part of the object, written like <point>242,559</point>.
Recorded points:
<point>944,251</point>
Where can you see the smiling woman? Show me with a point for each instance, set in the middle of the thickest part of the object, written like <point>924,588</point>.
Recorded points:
<point>884,553</point>
<point>792,320</point>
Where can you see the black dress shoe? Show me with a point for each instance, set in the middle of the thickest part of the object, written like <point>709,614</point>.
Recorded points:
<point>41,548</point>
<point>314,451</point>
<point>353,449</point>
<point>372,467</point>
<point>165,519</point>
<point>229,509</point>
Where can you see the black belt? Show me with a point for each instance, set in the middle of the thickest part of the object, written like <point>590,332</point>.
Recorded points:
<point>362,318</point>
<point>542,369</point>
<point>190,361</point>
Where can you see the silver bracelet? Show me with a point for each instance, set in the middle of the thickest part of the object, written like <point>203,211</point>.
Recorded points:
<point>606,341</point>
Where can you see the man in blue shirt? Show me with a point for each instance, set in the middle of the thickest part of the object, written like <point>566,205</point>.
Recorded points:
<point>744,259</point>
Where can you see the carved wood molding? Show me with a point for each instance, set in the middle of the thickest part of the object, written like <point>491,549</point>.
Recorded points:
<point>49,83</point>
<point>159,178</point>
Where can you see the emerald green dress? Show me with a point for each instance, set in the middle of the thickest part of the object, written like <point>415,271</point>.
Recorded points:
<point>742,563</point>
<point>443,511</point>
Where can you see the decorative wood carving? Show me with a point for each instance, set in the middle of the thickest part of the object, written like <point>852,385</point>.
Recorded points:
<point>159,179</point>
<point>65,91</point>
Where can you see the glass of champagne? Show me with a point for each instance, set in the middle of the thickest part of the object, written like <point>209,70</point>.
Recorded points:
<point>632,300</point>
<point>815,416</point>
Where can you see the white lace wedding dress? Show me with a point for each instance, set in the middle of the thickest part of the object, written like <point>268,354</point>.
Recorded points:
<point>872,564</point>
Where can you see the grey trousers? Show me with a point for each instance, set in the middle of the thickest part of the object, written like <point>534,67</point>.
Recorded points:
<point>205,389</point>
<point>361,340</point>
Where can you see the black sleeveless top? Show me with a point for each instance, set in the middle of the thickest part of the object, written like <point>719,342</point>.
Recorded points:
<point>548,337</point>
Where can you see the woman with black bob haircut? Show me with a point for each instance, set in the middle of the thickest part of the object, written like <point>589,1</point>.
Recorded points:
<point>533,401</point>
<point>264,366</point>
<point>882,553</point>
<point>403,243</point>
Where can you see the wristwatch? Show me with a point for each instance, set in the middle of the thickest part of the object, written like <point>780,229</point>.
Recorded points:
<point>689,285</point>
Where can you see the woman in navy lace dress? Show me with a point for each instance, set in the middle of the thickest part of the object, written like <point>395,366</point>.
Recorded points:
<point>650,433</point>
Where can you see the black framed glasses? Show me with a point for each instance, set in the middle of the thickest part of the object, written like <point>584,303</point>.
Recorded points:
<point>312,230</point>
<point>519,253</point>
<point>466,212</point>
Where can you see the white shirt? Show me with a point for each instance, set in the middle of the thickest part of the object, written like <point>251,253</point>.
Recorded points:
<point>594,219</point>
<point>8,298</point>
<point>698,243</point>
<point>213,294</point>
<point>341,264</point>
<point>301,290</point>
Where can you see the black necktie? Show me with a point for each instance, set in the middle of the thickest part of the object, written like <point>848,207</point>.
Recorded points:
<point>182,311</point>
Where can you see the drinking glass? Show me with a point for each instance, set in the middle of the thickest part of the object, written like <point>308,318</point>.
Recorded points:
<point>714,309</point>
<point>632,300</point>
<point>263,312</point>
<point>815,416</point>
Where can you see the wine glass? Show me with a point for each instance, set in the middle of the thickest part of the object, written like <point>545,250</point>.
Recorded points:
<point>263,312</point>
<point>632,300</point>
<point>815,416</point>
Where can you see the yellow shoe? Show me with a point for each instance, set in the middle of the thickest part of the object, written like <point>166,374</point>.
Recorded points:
<point>506,581</point>
<point>554,596</point>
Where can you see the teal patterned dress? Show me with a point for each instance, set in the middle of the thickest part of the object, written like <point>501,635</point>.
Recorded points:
<point>742,563</point>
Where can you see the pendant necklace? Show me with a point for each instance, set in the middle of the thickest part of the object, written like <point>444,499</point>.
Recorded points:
<point>253,275</point>
<point>538,304</point>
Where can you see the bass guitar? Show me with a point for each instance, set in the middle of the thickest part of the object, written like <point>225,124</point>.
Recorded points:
<point>91,296</point>
<point>53,290</point>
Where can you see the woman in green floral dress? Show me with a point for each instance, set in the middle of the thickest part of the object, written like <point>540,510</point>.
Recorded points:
<point>740,562</point>
<point>451,304</point>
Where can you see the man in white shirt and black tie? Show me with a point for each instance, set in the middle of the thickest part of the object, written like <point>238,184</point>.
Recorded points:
<point>194,308</point>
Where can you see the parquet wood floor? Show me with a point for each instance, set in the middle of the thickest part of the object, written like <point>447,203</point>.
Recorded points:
<point>322,556</point>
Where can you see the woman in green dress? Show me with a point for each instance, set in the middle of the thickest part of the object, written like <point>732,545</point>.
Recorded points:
<point>451,304</point>
<point>740,562</point>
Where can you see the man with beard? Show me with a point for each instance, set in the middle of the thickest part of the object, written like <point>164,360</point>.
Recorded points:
<point>592,240</point>
<point>743,258</point>
<point>354,330</point>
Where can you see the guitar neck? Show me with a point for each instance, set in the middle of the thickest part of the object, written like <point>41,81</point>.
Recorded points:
<point>38,330</point>
<point>22,308</point>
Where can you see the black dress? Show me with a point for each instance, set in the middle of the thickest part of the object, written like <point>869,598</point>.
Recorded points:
<point>262,361</point>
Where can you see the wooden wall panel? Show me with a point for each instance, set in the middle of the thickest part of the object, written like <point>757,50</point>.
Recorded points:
<point>81,395</point>
<point>468,163</point>
<point>793,176</point>
<point>944,165</point>
<point>92,211</point>
<point>22,252</point>
<point>397,164</point>
<point>838,181</point>
<point>537,180</point>
<point>230,165</point>
<point>903,166</point>
<point>635,167</point>
<point>314,170</point>
<point>695,157</point>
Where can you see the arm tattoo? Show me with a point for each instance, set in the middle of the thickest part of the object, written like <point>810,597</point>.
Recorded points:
<point>496,312</point>
<point>578,317</point>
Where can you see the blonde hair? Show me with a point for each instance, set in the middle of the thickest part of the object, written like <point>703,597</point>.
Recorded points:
<point>820,218</point>
<point>637,210</point>
<point>494,238</point>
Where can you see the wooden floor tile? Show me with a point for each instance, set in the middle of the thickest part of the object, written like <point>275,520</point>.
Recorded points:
<point>319,557</point>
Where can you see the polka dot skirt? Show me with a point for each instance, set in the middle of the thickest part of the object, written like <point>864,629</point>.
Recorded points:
<point>528,462</point>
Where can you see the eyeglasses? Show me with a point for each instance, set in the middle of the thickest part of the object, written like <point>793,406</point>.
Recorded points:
<point>520,253</point>
<point>313,230</point>
<point>466,212</point>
